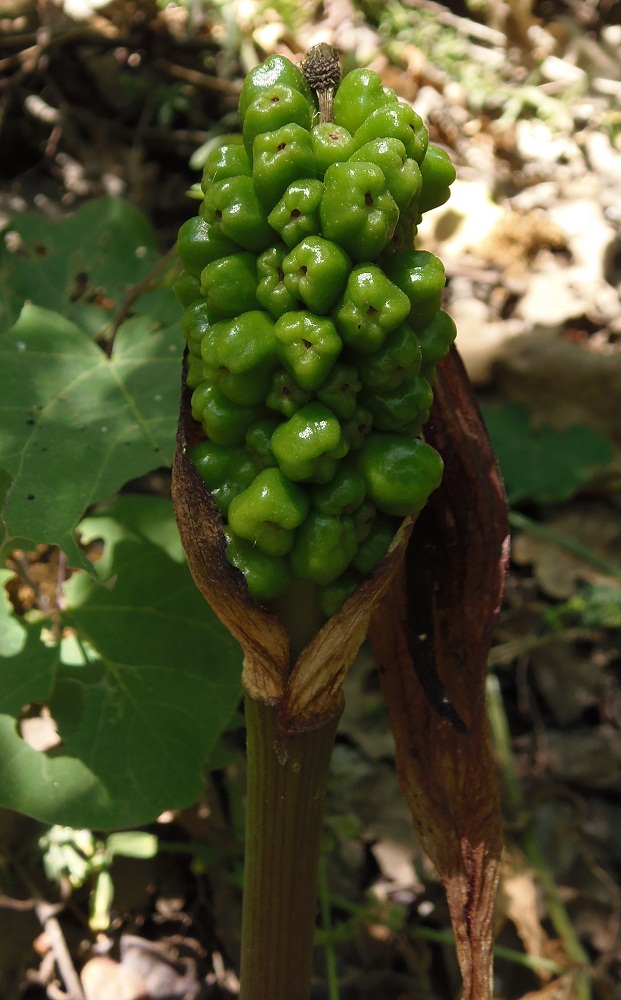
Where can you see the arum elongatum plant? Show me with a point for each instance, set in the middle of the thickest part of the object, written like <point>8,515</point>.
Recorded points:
<point>314,337</point>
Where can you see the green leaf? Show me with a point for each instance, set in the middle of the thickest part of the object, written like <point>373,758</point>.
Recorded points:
<point>139,698</point>
<point>81,266</point>
<point>545,464</point>
<point>595,606</point>
<point>75,424</point>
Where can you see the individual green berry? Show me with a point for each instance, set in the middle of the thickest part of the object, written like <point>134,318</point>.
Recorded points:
<point>230,160</point>
<point>421,276</point>
<point>226,470</point>
<point>296,215</point>
<point>230,284</point>
<point>403,175</point>
<point>400,472</point>
<point>307,445</point>
<point>232,208</point>
<point>357,210</point>
<point>199,242</point>
<point>267,576</point>
<point>332,596</point>
<point>323,548</point>
<point>279,158</point>
<point>371,307</point>
<point>375,545</point>
<point>268,512</point>
<point>272,293</point>
<point>316,271</point>
<point>307,345</point>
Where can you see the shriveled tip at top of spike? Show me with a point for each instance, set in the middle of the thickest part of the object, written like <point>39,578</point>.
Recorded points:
<point>322,70</point>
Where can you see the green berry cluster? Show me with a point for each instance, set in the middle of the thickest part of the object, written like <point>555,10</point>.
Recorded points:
<point>313,328</point>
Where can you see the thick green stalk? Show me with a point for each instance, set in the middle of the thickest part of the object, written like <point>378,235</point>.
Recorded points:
<point>285,797</point>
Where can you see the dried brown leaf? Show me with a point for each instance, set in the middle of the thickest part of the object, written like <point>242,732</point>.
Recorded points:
<point>439,614</point>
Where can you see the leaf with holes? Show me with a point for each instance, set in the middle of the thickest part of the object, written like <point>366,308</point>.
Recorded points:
<point>81,266</point>
<point>75,424</point>
<point>140,688</point>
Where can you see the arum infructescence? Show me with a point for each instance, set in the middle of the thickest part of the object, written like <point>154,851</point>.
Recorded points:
<point>430,603</point>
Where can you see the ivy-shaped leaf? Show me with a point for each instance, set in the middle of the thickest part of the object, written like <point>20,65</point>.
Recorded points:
<point>139,695</point>
<point>543,464</point>
<point>75,424</point>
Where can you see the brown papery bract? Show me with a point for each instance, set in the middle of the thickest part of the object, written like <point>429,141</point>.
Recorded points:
<point>439,612</point>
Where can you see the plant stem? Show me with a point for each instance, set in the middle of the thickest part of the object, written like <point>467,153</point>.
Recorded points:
<point>285,798</point>
<point>326,926</point>
<point>516,810</point>
<point>563,541</point>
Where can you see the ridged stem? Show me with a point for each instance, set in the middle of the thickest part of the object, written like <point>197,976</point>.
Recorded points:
<point>287,775</point>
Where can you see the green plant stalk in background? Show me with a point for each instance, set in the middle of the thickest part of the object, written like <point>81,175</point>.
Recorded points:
<point>516,810</point>
<point>286,787</point>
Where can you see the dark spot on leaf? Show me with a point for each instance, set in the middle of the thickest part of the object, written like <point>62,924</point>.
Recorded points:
<point>39,249</point>
<point>30,496</point>
<point>30,421</point>
<point>79,287</point>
